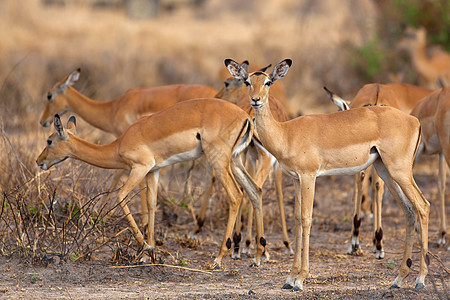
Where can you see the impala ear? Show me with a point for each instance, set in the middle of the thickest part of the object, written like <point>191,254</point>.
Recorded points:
<point>73,77</point>
<point>59,127</point>
<point>338,101</point>
<point>72,125</point>
<point>280,70</point>
<point>245,65</point>
<point>265,68</point>
<point>236,70</point>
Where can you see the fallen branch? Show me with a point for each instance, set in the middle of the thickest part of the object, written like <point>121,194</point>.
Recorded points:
<point>161,265</point>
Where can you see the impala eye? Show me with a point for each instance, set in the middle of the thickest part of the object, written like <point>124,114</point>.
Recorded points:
<point>49,96</point>
<point>226,84</point>
<point>49,142</point>
<point>268,83</point>
<point>367,104</point>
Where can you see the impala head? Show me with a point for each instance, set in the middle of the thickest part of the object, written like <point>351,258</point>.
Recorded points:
<point>56,99</point>
<point>412,38</point>
<point>259,82</point>
<point>233,89</point>
<point>57,149</point>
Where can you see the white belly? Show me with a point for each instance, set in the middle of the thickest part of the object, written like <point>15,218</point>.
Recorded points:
<point>351,170</point>
<point>184,156</point>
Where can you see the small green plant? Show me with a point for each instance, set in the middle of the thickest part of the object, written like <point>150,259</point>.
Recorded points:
<point>34,278</point>
<point>391,264</point>
<point>345,219</point>
<point>75,211</point>
<point>35,213</point>
<point>183,262</point>
<point>74,256</point>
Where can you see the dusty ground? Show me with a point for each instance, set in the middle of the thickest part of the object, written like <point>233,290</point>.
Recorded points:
<point>334,274</point>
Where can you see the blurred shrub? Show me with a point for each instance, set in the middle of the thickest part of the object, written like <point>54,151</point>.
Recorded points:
<point>368,59</point>
<point>377,57</point>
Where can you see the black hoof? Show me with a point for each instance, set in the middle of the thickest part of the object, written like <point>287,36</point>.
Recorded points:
<point>419,286</point>
<point>286,286</point>
<point>394,286</point>
<point>253,265</point>
<point>296,289</point>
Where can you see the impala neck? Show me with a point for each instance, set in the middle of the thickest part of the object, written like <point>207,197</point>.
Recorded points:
<point>94,112</point>
<point>103,156</point>
<point>268,129</point>
<point>421,61</point>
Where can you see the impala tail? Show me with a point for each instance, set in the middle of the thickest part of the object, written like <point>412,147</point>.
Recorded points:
<point>244,139</point>
<point>338,101</point>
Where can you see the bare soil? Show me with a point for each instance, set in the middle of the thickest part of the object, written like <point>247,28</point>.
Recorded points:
<point>333,273</point>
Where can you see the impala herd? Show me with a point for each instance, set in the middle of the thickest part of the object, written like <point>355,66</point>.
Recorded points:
<point>245,131</point>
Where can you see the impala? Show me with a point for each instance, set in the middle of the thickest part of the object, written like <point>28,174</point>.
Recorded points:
<point>259,167</point>
<point>259,161</point>
<point>117,115</point>
<point>429,69</point>
<point>403,97</point>
<point>433,113</point>
<point>336,144</point>
<point>214,128</point>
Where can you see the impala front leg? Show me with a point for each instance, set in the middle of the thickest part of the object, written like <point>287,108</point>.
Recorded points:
<point>307,182</point>
<point>137,174</point>
<point>290,280</point>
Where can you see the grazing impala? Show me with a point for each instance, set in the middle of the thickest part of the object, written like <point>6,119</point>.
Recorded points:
<point>429,69</point>
<point>185,131</point>
<point>117,115</point>
<point>403,97</point>
<point>260,162</point>
<point>340,143</point>
<point>433,113</point>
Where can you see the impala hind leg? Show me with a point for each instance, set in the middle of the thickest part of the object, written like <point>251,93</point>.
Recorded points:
<point>204,202</point>
<point>278,174</point>
<point>366,203</point>
<point>152,179</point>
<point>378,191</point>
<point>246,248</point>
<point>237,236</point>
<point>407,194</point>
<point>254,193</point>
<point>358,178</point>
<point>259,169</point>
<point>442,179</point>
<point>235,195</point>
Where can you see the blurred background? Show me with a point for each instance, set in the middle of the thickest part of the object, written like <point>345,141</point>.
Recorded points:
<point>122,44</point>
